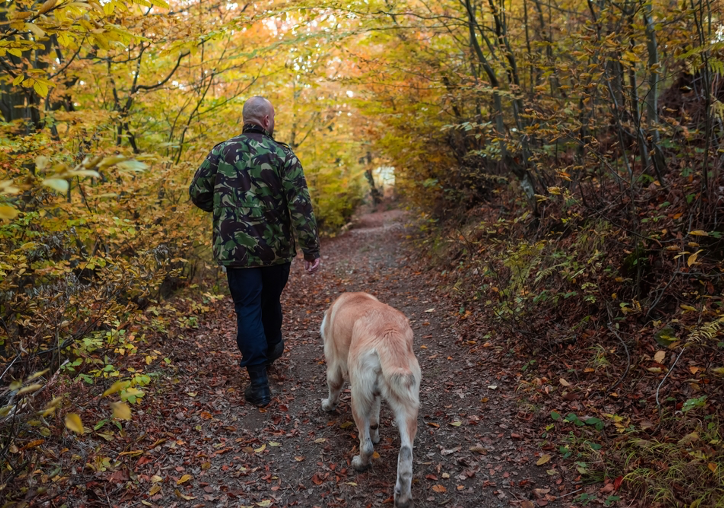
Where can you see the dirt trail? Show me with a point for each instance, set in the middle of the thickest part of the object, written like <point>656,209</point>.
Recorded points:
<point>293,453</point>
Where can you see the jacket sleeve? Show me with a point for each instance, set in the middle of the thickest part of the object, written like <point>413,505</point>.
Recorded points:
<point>300,207</point>
<point>201,190</point>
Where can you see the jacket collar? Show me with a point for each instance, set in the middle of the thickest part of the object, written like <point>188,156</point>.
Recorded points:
<point>253,127</point>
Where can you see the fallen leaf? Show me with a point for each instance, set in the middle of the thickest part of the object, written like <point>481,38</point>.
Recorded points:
<point>543,459</point>
<point>155,489</point>
<point>182,496</point>
<point>660,356</point>
<point>320,440</point>
<point>492,387</point>
<point>455,424</point>
<point>376,455</point>
<point>712,466</point>
<point>131,453</point>
<point>346,425</point>
<point>317,480</point>
<point>692,259</point>
<point>432,424</point>
<point>299,459</point>
<point>265,503</point>
<point>121,410</point>
<point>183,479</point>
<point>540,493</point>
<point>430,310</point>
<point>689,438</point>
<point>274,443</point>
<point>439,488</point>
<point>564,382</point>
<point>260,449</point>
<point>74,423</point>
<point>478,449</point>
<point>698,232</point>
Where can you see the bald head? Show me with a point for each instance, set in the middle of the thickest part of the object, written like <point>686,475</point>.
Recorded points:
<point>258,110</point>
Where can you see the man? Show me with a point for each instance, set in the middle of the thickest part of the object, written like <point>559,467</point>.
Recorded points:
<point>256,190</point>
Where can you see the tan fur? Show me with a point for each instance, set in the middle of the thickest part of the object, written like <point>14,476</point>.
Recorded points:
<point>370,344</point>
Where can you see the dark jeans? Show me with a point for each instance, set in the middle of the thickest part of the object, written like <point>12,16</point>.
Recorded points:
<point>256,293</point>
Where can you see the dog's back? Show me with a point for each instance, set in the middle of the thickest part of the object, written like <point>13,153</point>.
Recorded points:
<point>371,345</point>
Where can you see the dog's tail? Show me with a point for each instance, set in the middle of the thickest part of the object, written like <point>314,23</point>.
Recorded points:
<point>401,375</point>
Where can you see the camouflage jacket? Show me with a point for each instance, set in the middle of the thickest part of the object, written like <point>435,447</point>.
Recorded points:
<point>257,193</point>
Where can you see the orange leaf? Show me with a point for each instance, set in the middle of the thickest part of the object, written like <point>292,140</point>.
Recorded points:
<point>439,488</point>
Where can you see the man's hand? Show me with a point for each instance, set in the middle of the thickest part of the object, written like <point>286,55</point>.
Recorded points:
<point>312,266</point>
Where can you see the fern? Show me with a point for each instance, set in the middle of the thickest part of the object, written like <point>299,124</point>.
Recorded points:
<point>708,331</point>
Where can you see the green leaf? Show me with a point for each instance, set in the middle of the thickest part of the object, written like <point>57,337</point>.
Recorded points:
<point>555,416</point>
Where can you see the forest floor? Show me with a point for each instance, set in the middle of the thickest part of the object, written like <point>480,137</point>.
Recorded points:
<point>193,441</point>
<point>471,449</point>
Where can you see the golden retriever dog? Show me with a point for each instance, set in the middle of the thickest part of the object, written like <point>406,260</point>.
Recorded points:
<point>370,344</point>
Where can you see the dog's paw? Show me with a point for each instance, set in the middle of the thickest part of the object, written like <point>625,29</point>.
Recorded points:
<point>358,465</point>
<point>375,436</point>
<point>327,405</point>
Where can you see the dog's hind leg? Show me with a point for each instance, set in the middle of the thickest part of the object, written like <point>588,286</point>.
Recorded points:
<point>408,426</point>
<point>334,385</point>
<point>375,420</point>
<point>361,409</point>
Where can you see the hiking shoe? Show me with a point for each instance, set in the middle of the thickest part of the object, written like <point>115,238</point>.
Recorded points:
<point>275,352</point>
<point>258,392</point>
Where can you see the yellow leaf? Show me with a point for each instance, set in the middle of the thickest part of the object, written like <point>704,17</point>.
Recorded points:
<point>29,389</point>
<point>40,88</point>
<point>346,425</point>
<point>320,440</point>
<point>274,443</point>
<point>260,449</point>
<point>183,479</point>
<point>74,423</point>
<point>121,410</point>
<point>18,79</point>
<point>58,184</point>
<point>712,466</point>
<point>376,455</point>
<point>8,212</point>
<point>543,460</point>
<point>660,356</point>
<point>699,232</point>
<point>155,489</point>
<point>564,382</point>
<point>156,479</point>
<point>37,31</point>
<point>299,459</point>
<point>117,387</point>
<point>693,257</point>
<point>182,496</point>
<point>455,424</point>
<point>47,5</point>
<point>687,307</point>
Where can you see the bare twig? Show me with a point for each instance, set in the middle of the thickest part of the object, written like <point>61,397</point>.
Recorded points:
<point>626,350</point>
<point>657,394</point>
